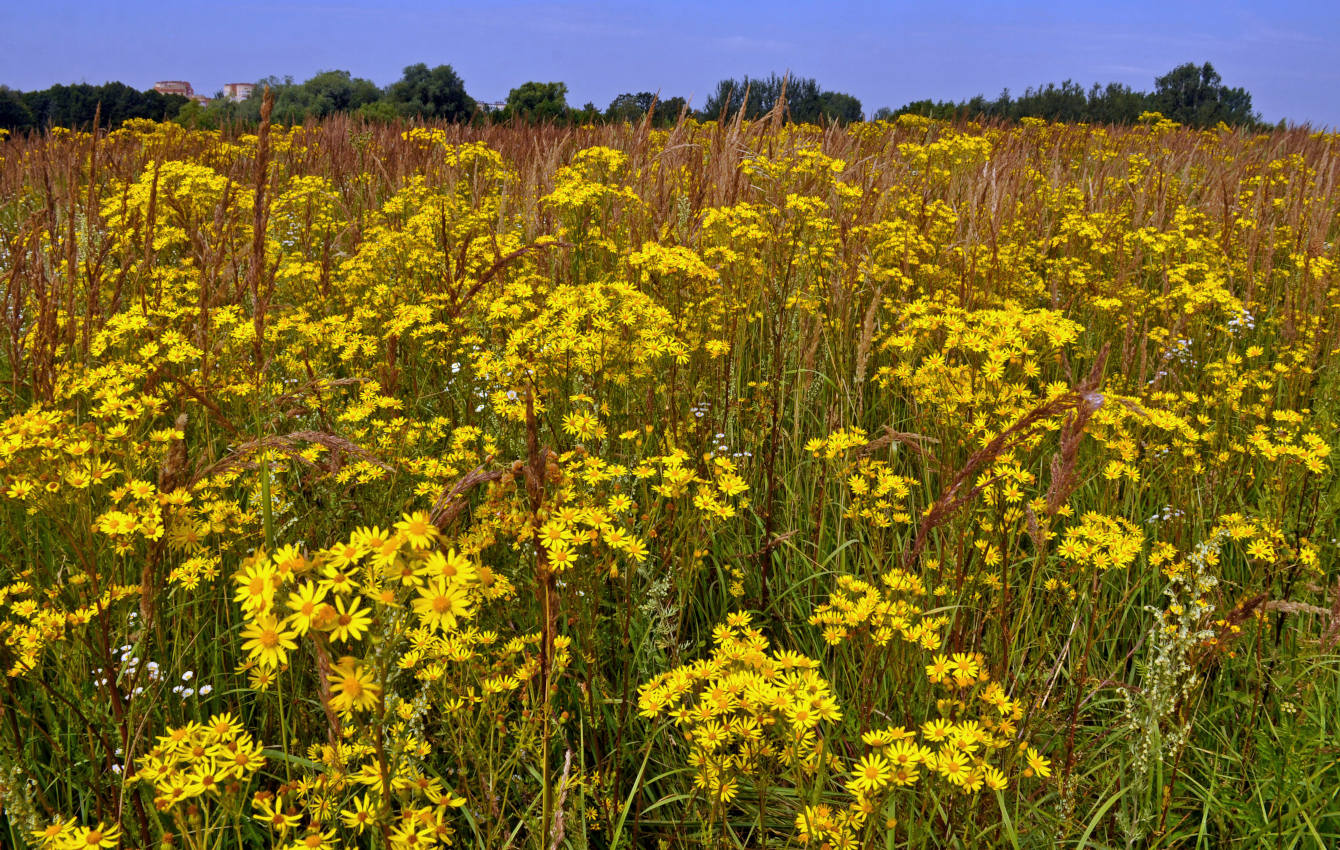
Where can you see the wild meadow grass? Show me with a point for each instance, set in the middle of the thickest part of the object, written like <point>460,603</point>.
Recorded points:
<point>740,484</point>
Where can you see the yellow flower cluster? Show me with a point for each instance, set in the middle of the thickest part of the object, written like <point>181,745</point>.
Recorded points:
<point>342,595</point>
<point>200,762</point>
<point>428,448</point>
<point>878,614</point>
<point>744,710</point>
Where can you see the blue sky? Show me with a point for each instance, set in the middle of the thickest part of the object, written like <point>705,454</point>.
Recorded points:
<point>1287,54</point>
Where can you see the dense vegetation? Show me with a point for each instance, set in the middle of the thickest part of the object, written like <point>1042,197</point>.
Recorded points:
<point>1189,94</point>
<point>77,106</point>
<point>911,484</point>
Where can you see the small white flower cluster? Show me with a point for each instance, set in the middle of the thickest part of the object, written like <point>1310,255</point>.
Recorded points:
<point>1244,321</point>
<point>700,409</point>
<point>721,447</point>
<point>455,370</point>
<point>1168,513</point>
<point>1179,352</point>
<point>185,691</point>
<point>1169,677</point>
<point>130,667</point>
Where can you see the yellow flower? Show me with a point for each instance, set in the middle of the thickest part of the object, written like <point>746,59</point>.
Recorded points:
<point>636,549</point>
<point>410,836</point>
<point>561,557</point>
<point>338,578</point>
<point>98,836</point>
<point>938,670</point>
<point>994,778</point>
<point>554,533</point>
<point>256,587</point>
<point>581,424</point>
<point>440,604</point>
<point>872,773</point>
<point>418,529</point>
<point>271,812</point>
<point>350,622</point>
<point>1037,764</point>
<point>937,730</point>
<point>223,725</point>
<point>305,603</point>
<point>450,567</point>
<point>54,834</point>
<point>361,815</point>
<point>953,765</point>
<point>268,641</point>
<point>315,840</point>
<point>240,757</point>
<point>906,753</point>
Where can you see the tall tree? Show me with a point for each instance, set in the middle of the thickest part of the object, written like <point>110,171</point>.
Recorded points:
<point>1197,95</point>
<point>14,113</point>
<point>805,101</point>
<point>634,107</point>
<point>338,91</point>
<point>840,107</point>
<point>431,93</point>
<point>629,107</point>
<point>534,102</point>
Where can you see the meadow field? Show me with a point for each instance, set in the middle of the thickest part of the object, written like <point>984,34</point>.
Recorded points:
<point>738,485</point>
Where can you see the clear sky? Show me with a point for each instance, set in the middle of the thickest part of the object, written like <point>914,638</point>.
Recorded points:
<point>1286,53</point>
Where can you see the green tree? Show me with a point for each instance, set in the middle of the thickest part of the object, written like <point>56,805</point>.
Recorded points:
<point>534,102</point>
<point>338,91</point>
<point>437,93</point>
<point>1196,95</point>
<point>198,117</point>
<point>630,107</point>
<point>840,107</point>
<point>14,113</point>
<point>76,106</point>
<point>634,107</point>
<point>805,101</point>
<point>381,110</point>
<point>1191,94</point>
<point>943,110</point>
<point>755,98</point>
<point>1116,103</point>
<point>1065,102</point>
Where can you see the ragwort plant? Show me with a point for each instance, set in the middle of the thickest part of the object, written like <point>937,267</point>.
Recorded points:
<point>735,484</point>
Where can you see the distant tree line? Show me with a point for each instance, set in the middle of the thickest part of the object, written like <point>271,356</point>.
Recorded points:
<point>75,106</point>
<point>1190,94</point>
<point>801,97</point>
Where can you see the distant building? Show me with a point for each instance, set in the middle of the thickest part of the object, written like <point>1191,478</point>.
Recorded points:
<point>180,87</point>
<point>238,91</point>
<point>200,99</point>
